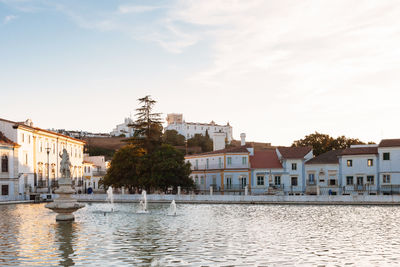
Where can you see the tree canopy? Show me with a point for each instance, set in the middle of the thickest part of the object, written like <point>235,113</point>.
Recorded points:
<point>322,143</point>
<point>145,162</point>
<point>173,138</point>
<point>202,141</point>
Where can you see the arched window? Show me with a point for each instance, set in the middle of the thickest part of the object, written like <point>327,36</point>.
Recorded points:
<point>4,163</point>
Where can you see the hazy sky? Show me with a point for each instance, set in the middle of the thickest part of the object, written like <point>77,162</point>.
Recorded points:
<point>276,70</point>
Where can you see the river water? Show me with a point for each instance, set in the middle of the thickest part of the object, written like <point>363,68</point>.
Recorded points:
<point>202,235</point>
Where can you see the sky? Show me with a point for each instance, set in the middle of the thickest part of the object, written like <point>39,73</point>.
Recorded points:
<point>275,70</point>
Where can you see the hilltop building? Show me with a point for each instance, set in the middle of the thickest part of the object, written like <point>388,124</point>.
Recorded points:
<point>124,129</point>
<point>189,129</point>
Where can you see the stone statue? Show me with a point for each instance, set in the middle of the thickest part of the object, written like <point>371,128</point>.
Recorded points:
<point>65,165</point>
<point>65,205</point>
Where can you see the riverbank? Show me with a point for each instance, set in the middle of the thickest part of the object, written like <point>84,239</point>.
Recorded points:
<point>242,199</point>
<point>16,202</point>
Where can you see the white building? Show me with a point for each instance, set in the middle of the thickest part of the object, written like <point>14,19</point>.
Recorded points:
<point>267,172</point>
<point>389,166</point>
<point>124,129</point>
<point>293,161</point>
<point>189,129</point>
<point>38,155</point>
<point>9,180</point>
<point>322,174</point>
<point>358,169</point>
<point>94,168</point>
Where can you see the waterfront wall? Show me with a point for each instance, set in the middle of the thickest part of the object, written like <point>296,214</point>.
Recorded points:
<point>242,199</point>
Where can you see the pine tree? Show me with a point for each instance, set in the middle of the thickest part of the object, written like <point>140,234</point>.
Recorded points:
<point>148,128</point>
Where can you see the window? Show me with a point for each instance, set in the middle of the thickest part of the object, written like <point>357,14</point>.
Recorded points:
<point>260,179</point>
<point>23,138</point>
<point>386,178</point>
<point>4,163</point>
<point>202,179</point>
<point>29,139</point>
<point>4,190</point>
<point>311,178</point>
<point>229,160</point>
<point>349,163</point>
<point>244,160</point>
<point>294,181</point>
<point>370,162</point>
<point>294,166</point>
<point>196,180</point>
<point>370,179</point>
<point>386,156</point>
<point>349,180</point>
<point>214,180</point>
<point>207,164</point>
<point>197,163</point>
<point>277,180</point>
<point>332,182</point>
<point>220,162</point>
<point>26,159</point>
<point>228,182</point>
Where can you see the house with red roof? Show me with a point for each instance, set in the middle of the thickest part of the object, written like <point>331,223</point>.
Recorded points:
<point>267,172</point>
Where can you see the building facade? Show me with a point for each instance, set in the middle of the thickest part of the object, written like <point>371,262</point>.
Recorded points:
<point>38,165</point>
<point>94,167</point>
<point>189,129</point>
<point>225,170</point>
<point>124,129</point>
<point>9,180</point>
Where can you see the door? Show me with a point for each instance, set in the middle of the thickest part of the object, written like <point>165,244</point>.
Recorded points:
<point>228,183</point>
<point>243,182</point>
<point>360,182</point>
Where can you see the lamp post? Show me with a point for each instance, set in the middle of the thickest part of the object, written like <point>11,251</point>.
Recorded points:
<point>48,168</point>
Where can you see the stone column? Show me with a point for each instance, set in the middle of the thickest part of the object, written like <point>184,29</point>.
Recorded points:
<point>179,190</point>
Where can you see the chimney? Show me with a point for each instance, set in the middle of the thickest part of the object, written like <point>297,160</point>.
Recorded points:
<point>242,139</point>
<point>218,141</point>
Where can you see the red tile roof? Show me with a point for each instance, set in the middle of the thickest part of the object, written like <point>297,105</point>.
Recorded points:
<point>330,157</point>
<point>265,159</point>
<point>389,143</point>
<point>360,151</point>
<point>5,141</point>
<point>294,152</point>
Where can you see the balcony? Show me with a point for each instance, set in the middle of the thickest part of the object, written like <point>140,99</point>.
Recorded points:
<point>208,167</point>
<point>99,173</point>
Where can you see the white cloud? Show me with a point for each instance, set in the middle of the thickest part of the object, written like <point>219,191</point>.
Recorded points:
<point>128,9</point>
<point>9,18</point>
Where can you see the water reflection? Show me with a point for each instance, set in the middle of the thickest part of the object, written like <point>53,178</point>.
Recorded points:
<point>202,235</point>
<point>65,232</point>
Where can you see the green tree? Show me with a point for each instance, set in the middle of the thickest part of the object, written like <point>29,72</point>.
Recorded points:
<point>125,168</point>
<point>165,167</point>
<point>322,143</point>
<point>148,128</point>
<point>204,142</point>
<point>173,138</point>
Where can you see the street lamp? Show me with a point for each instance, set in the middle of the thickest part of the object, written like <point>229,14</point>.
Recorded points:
<point>48,168</point>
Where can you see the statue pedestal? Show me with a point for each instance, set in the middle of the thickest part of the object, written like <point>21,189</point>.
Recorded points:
<point>65,205</point>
